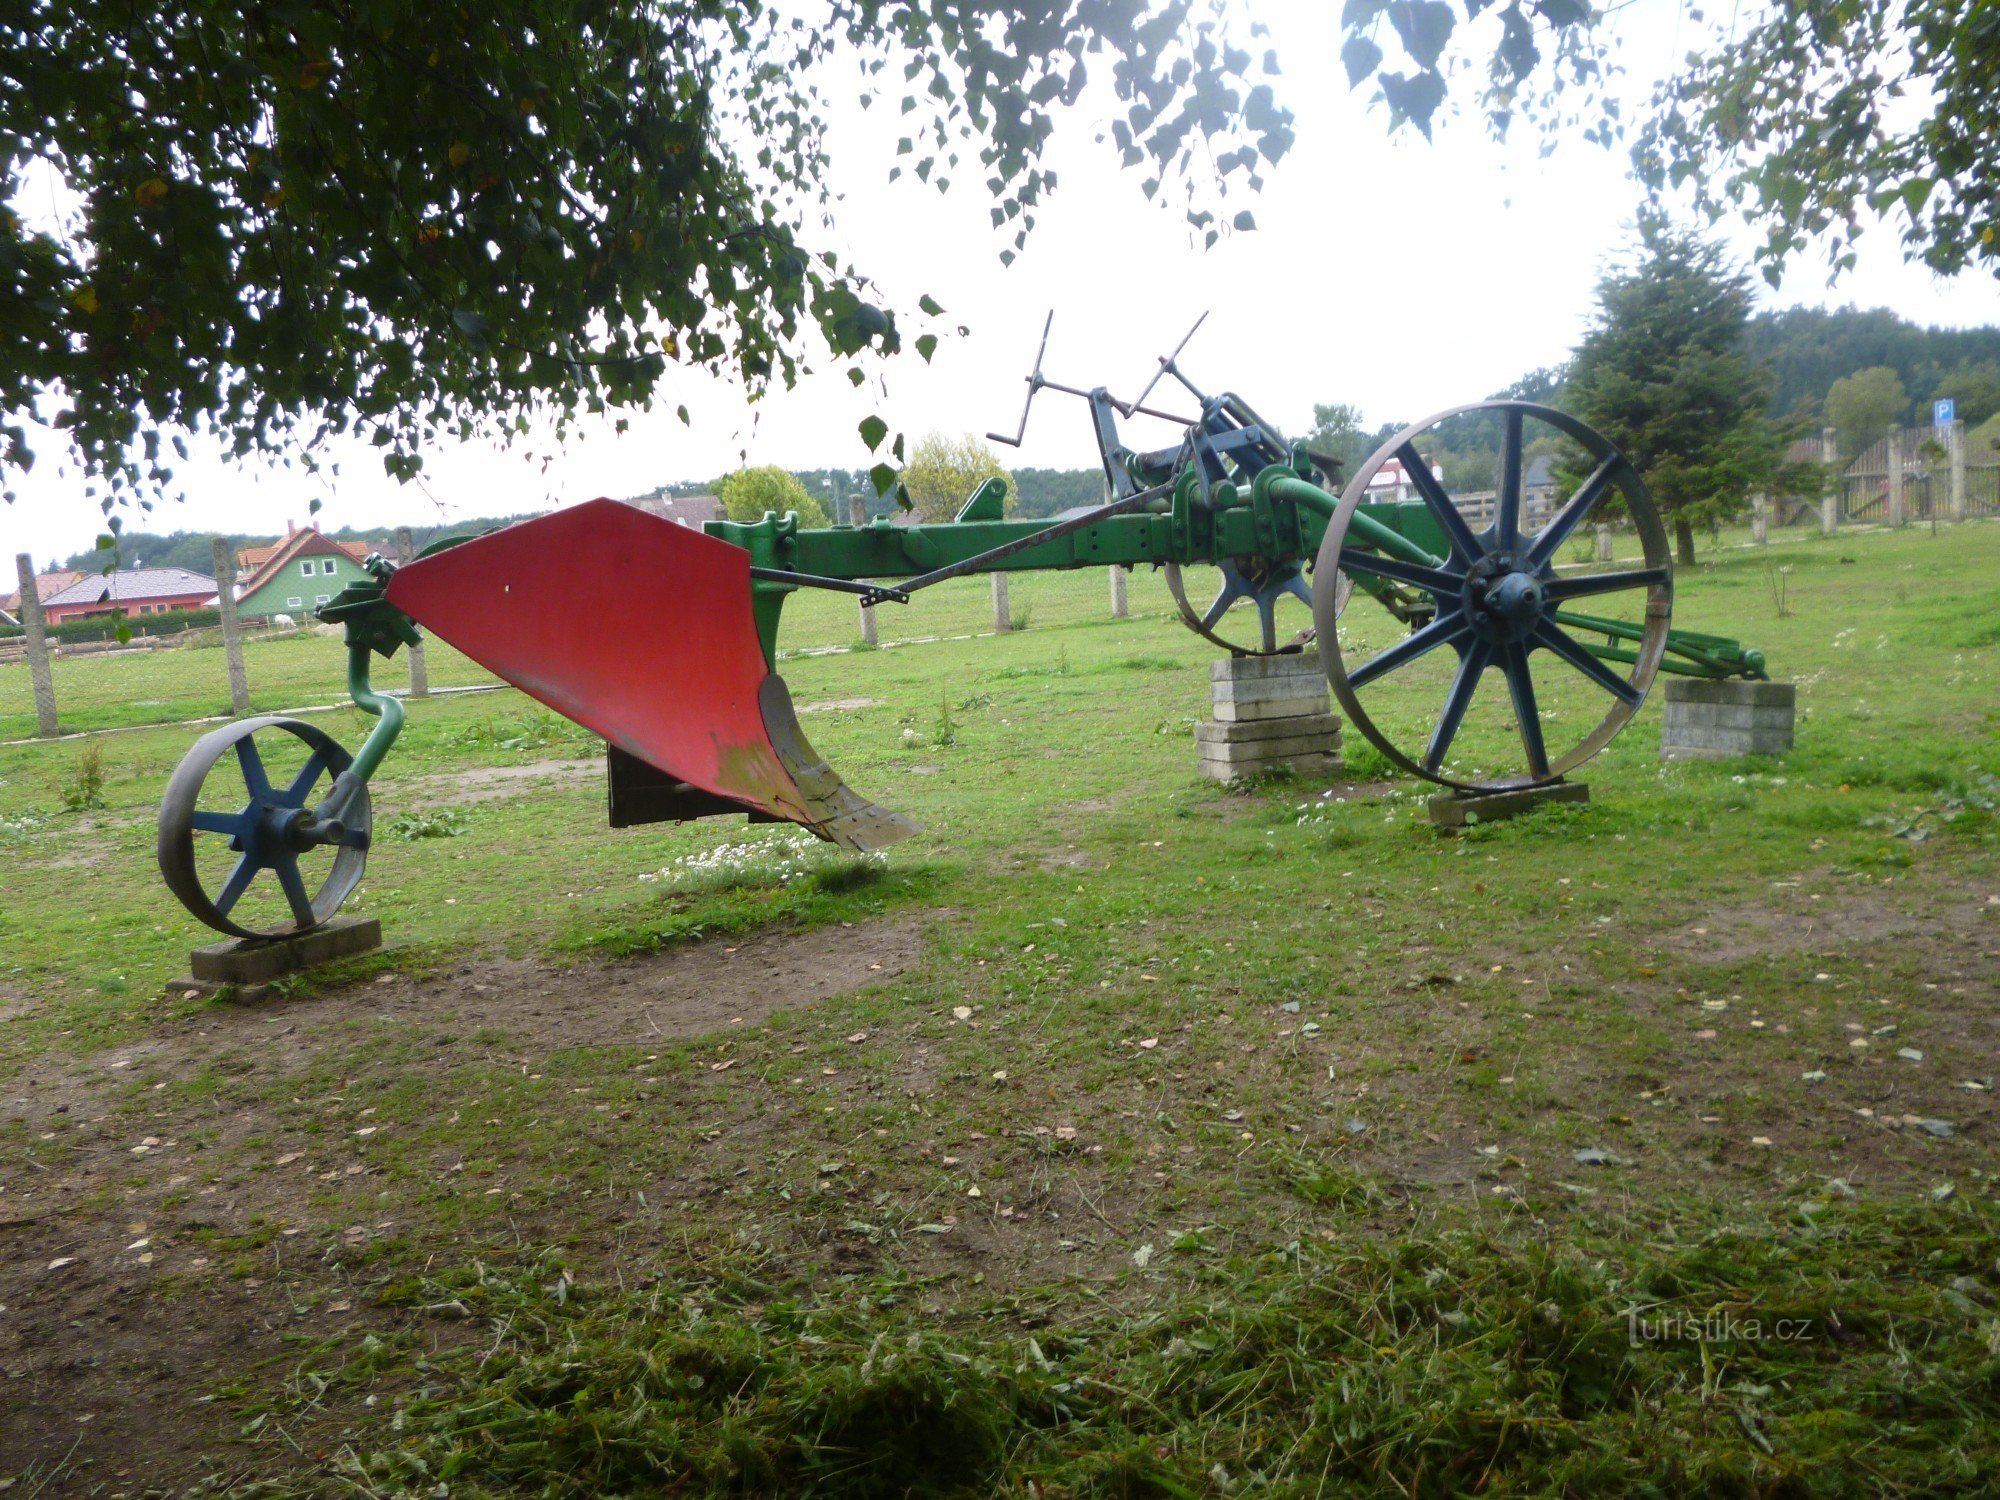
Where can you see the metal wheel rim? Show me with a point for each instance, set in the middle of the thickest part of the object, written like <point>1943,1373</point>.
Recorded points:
<point>177,828</point>
<point>1616,472</point>
<point>1176,586</point>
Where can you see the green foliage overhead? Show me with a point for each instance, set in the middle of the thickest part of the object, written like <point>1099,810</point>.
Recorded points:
<point>944,470</point>
<point>1802,115</point>
<point>1814,113</point>
<point>1662,374</point>
<point>748,493</point>
<point>411,222</point>
<point>1863,406</point>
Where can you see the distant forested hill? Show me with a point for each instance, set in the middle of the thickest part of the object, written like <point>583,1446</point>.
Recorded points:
<point>1809,348</point>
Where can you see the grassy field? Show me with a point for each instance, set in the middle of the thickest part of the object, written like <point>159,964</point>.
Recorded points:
<point>1123,1134</point>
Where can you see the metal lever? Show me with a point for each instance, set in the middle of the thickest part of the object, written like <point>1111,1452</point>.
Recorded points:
<point>1166,365</point>
<point>1035,383</point>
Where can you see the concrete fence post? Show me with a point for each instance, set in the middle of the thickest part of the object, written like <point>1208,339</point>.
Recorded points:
<point>1119,608</point>
<point>38,649</point>
<point>1955,444</point>
<point>1003,617</point>
<point>223,560</point>
<point>1897,502</point>
<point>420,673</point>
<point>1603,534</point>
<point>1829,505</point>
<point>857,514</point>
<point>1760,519</point>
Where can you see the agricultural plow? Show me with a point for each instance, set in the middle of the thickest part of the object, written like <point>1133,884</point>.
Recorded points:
<point>663,640</point>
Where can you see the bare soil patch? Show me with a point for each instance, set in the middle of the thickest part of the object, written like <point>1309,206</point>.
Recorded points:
<point>149,1256</point>
<point>480,783</point>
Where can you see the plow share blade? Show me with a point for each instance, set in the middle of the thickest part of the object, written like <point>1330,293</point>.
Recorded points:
<point>641,630</point>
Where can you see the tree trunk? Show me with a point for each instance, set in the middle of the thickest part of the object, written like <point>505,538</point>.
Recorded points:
<point>1683,543</point>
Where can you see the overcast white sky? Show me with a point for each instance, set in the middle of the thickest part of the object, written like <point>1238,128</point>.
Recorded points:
<point>1398,275</point>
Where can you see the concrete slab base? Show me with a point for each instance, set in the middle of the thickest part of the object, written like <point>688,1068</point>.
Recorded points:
<point>244,962</point>
<point>1314,763</point>
<point>1462,809</point>
<point>1272,713</point>
<point>1708,720</point>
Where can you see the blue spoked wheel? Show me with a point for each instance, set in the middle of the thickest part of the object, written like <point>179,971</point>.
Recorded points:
<point>1264,585</point>
<point>255,838</point>
<point>1501,605</point>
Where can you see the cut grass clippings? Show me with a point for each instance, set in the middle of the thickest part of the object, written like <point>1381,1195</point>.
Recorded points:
<point>1849,1350</point>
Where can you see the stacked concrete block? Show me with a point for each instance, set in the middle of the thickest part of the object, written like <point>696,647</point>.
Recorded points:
<point>1715,720</point>
<point>1271,713</point>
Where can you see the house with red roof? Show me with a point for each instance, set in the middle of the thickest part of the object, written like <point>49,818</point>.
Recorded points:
<point>46,585</point>
<point>297,575</point>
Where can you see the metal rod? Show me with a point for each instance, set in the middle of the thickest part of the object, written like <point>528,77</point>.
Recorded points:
<point>877,593</point>
<point>838,585</point>
<point>1167,364</point>
<point>1035,383</point>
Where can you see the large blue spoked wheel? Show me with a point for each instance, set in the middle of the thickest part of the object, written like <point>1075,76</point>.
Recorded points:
<point>255,838</point>
<point>1502,606</point>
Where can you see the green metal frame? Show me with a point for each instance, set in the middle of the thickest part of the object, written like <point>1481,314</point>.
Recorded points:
<point>1281,514</point>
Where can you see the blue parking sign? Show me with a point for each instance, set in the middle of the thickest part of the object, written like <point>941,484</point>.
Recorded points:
<point>1943,413</point>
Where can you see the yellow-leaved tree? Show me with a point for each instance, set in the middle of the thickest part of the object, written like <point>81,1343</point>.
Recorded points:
<point>944,470</point>
<point>748,493</point>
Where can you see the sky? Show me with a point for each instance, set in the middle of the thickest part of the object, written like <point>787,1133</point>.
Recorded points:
<point>1395,274</point>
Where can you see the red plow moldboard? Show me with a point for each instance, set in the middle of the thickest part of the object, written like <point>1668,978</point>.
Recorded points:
<point>641,630</point>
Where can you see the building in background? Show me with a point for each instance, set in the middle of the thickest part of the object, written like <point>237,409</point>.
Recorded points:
<point>47,585</point>
<point>693,511</point>
<point>297,575</point>
<point>133,592</point>
<point>250,560</point>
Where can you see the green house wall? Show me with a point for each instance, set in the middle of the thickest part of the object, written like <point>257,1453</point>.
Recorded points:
<point>277,594</point>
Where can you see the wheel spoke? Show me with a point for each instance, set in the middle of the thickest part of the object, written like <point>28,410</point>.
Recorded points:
<point>295,890</point>
<point>1463,542</point>
<point>1579,505</point>
<point>1431,580</point>
<point>237,883</point>
<point>1522,688</point>
<point>1508,521</point>
<point>295,794</point>
<point>253,767</point>
<point>354,838</point>
<point>215,822</point>
<point>1573,651</point>
<point>1233,588</point>
<point>1445,628</point>
<point>1471,666</point>
<point>1602,583</point>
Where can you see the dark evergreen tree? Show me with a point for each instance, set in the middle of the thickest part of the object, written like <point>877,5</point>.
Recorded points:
<point>1663,374</point>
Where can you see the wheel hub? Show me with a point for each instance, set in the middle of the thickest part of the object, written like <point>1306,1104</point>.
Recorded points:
<point>1504,601</point>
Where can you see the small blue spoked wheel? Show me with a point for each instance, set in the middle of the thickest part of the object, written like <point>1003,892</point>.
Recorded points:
<point>1264,584</point>
<point>1502,606</point>
<point>261,835</point>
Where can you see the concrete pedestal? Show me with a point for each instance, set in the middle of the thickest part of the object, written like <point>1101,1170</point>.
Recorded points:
<point>1462,809</point>
<point>1271,714</point>
<point>1708,720</point>
<point>242,962</point>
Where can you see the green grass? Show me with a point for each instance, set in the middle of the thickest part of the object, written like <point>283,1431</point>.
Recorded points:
<point>1272,1102</point>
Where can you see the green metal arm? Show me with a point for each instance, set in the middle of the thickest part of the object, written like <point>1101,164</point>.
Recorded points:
<point>374,626</point>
